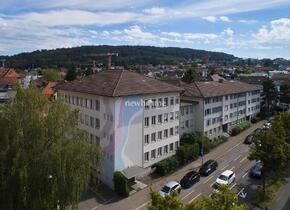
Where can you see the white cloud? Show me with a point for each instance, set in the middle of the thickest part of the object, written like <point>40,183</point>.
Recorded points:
<point>277,33</point>
<point>225,19</point>
<point>228,32</point>
<point>155,11</point>
<point>211,19</point>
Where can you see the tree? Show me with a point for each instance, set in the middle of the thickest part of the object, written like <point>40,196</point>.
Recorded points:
<point>71,74</point>
<point>270,95</point>
<point>190,75</point>
<point>224,199</point>
<point>285,94</point>
<point>45,160</point>
<point>248,70</point>
<point>271,148</point>
<point>50,75</point>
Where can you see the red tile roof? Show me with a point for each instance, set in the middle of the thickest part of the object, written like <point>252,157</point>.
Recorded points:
<point>11,73</point>
<point>49,90</point>
<point>118,83</point>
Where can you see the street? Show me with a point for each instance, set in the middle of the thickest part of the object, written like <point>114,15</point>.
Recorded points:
<point>231,155</point>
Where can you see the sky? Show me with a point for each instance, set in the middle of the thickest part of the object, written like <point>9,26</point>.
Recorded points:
<point>244,28</point>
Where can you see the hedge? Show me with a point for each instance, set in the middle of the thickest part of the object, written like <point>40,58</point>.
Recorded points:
<point>187,153</point>
<point>121,184</point>
<point>239,128</point>
<point>166,166</point>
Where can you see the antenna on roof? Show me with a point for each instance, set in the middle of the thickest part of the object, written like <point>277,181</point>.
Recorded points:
<point>3,62</point>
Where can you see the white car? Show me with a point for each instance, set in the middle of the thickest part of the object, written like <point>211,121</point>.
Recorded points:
<point>170,188</point>
<point>227,178</point>
<point>267,125</point>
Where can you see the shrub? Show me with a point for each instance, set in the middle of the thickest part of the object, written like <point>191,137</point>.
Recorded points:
<point>218,141</point>
<point>121,184</point>
<point>166,166</point>
<point>188,138</point>
<point>186,153</point>
<point>255,120</point>
<point>239,128</point>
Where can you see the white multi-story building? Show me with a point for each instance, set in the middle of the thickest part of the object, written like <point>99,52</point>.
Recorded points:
<point>212,108</point>
<point>134,118</point>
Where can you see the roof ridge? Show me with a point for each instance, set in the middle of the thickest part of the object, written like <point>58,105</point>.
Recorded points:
<point>119,79</point>
<point>198,89</point>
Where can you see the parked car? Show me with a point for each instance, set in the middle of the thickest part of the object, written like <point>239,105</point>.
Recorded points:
<point>267,125</point>
<point>190,179</point>
<point>170,188</point>
<point>258,131</point>
<point>208,167</point>
<point>227,177</point>
<point>256,171</point>
<point>249,139</point>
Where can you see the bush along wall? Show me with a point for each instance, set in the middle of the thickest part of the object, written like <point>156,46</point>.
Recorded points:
<point>239,128</point>
<point>121,184</point>
<point>189,150</point>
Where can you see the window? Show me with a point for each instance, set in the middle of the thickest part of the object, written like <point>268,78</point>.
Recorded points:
<point>182,111</point>
<point>86,119</point>
<point>176,145</point>
<point>153,154</point>
<point>82,118</point>
<point>165,133</point>
<point>97,105</point>
<point>92,122</point>
<point>159,135</point>
<point>186,110</point>
<point>165,101</point>
<point>207,112</point>
<point>92,138</point>
<point>153,120</point>
<point>171,147</point>
<point>78,101</point>
<point>97,123</point>
<point>186,123</point>
<point>208,122</point>
<point>146,139</point>
<point>171,116</point>
<point>160,102</point>
<point>97,140</point>
<point>171,131</point>
<point>207,101</point>
<point>226,97</point>
<point>166,149</point>
<point>146,156</point>
<point>153,103</point>
<point>226,107</point>
<point>73,100</point>
<point>159,152</point>
<point>91,104</point>
<point>226,117</point>
<point>171,101</point>
<point>191,109</point>
<point>153,137</point>
<point>176,130</point>
<point>177,100</point>
<point>147,104</point>
<point>165,117</point>
<point>146,121</point>
<point>160,118</point>
<point>177,115</point>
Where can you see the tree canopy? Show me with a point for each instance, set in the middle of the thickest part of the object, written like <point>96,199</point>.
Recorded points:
<point>45,160</point>
<point>50,75</point>
<point>190,75</point>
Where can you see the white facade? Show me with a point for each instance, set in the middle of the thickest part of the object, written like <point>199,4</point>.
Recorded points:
<point>212,116</point>
<point>129,132</point>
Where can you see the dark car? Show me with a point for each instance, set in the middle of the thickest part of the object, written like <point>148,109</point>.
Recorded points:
<point>208,167</point>
<point>258,131</point>
<point>249,139</point>
<point>190,179</point>
<point>257,170</point>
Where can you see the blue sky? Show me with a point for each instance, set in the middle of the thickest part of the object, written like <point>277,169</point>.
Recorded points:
<point>245,28</point>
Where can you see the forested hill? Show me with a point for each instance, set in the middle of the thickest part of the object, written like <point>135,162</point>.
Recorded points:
<point>128,55</point>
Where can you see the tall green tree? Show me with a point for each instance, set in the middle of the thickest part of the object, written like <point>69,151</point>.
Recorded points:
<point>270,95</point>
<point>285,94</point>
<point>71,74</point>
<point>50,75</point>
<point>190,75</point>
<point>272,149</point>
<point>45,160</point>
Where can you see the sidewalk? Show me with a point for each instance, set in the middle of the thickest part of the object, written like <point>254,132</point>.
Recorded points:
<point>141,198</point>
<point>282,198</point>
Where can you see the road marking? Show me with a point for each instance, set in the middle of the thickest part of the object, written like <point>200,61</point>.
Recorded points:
<point>188,194</point>
<point>243,159</point>
<point>224,167</point>
<point>207,180</point>
<point>232,168</point>
<point>233,186</point>
<point>195,198</point>
<point>237,157</point>
<point>212,184</point>
<point>229,150</point>
<point>144,204</point>
<point>245,175</point>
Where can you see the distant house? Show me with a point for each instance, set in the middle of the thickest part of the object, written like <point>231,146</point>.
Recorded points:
<point>9,79</point>
<point>48,89</point>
